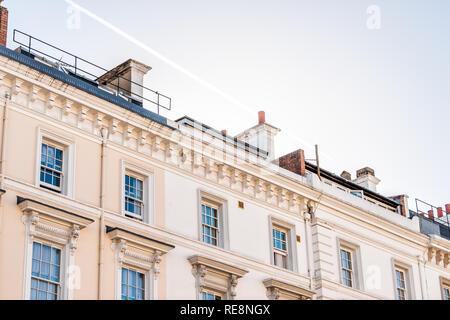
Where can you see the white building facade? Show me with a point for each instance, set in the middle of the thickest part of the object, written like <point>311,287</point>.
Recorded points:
<point>104,199</point>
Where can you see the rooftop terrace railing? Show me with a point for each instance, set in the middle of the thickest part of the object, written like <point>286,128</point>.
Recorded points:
<point>85,70</point>
<point>431,212</point>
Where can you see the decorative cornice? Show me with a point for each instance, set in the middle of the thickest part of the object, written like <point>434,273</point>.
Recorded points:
<point>208,272</point>
<point>217,265</point>
<point>275,289</point>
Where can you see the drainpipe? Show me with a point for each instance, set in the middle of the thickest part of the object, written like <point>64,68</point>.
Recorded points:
<point>308,243</point>
<point>102,228</point>
<point>308,216</point>
<point>420,263</point>
<point>3,154</point>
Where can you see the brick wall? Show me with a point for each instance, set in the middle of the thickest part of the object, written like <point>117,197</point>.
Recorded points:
<point>294,162</point>
<point>3,26</point>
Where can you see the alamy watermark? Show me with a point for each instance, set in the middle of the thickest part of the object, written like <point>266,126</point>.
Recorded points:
<point>373,21</point>
<point>73,18</point>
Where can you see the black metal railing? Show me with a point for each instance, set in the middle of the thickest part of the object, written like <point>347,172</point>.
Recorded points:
<point>436,211</point>
<point>87,71</point>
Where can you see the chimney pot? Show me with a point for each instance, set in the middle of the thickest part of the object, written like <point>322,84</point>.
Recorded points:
<point>261,117</point>
<point>346,175</point>
<point>430,214</point>
<point>224,132</point>
<point>447,208</point>
<point>440,212</point>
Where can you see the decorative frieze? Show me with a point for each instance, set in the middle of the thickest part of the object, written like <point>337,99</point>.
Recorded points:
<point>151,143</point>
<point>34,92</point>
<point>16,87</point>
<point>51,100</point>
<point>67,106</point>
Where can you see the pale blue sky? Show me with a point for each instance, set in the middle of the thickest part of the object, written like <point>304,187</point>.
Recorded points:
<point>376,98</point>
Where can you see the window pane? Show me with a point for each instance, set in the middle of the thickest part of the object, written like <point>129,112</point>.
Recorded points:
<point>124,275</point>
<point>54,273</point>
<point>52,288</point>
<point>42,295</point>
<point>141,281</point>
<point>35,268</point>
<point>36,250</point>
<point>132,278</point>
<point>43,285</point>
<point>55,256</point>
<point>50,152</point>
<point>33,295</point>
<point>58,154</point>
<point>132,293</point>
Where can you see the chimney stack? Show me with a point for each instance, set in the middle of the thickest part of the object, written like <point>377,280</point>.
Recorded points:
<point>131,81</point>
<point>402,200</point>
<point>261,136</point>
<point>3,25</point>
<point>294,162</point>
<point>346,175</point>
<point>365,177</point>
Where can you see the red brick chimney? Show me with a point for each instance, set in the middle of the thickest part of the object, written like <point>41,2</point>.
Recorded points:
<point>403,201</point>
<point>294,162</point>
<point>3,25</point>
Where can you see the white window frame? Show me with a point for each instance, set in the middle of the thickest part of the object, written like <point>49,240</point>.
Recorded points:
<point>60,291</point>
<point>137,252</point>
<point>222,214</point>
<point>216,293</point>
<point>445,285</point>
<point>409,282</point>
<point>284,253</point>
<point>355,251</point>
<point>142,202</point>
<point>57,228</point>
<point>350,270</point>
<point>147,176</point>
<point>62,177</point>
<point>68,173</point>
<point>147,279</point>
<point>122,261</point>
<point>401,271</point>
<point>215,206</point>
<point>291,243</point>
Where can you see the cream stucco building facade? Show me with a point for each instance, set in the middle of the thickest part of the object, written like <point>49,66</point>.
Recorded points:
<point>103,199</point>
